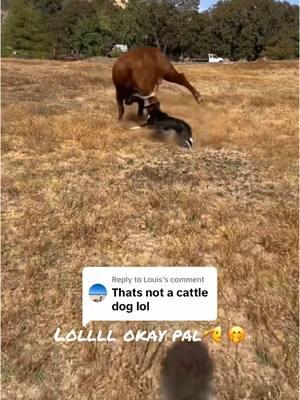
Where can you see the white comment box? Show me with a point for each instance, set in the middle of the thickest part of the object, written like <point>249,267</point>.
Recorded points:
<point>149,294</point>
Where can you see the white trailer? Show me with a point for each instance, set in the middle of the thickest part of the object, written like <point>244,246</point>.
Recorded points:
<point>121,47</point>
<point>212,58</point>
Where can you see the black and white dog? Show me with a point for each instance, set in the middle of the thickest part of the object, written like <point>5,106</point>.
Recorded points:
<point>164,124</point>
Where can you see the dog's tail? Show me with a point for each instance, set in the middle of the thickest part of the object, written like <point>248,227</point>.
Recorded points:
<point>187,372</point>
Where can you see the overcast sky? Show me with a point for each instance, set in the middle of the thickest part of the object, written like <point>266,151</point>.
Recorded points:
<point>205,4</point>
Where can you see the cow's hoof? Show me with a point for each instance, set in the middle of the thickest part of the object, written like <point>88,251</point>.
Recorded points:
<point>199,98</point>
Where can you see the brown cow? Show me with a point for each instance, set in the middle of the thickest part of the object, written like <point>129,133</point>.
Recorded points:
<point>137,74</point>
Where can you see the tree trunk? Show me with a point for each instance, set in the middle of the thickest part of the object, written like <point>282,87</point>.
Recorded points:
<point>156,38</point>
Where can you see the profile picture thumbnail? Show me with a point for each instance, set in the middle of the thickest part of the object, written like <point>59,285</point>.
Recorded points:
<point>97,292</point>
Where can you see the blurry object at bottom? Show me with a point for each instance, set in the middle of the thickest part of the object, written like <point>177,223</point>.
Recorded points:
<point>187,372</point>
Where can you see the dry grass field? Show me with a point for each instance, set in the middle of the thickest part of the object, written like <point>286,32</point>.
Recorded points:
<point>79,189</point>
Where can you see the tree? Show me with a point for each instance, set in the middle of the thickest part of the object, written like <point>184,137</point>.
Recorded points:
<point>107,8</point>
<point>284,43</point>
<point>68,21</point>
<point>245,28</point>
<point>186,35</point>
<point>186,5</point>
<point>232,28</point>
<point>147,28</point>
<point>24,32</point>
<point>47,7</point>
<point>91,37</point>
<point>82,30</point>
